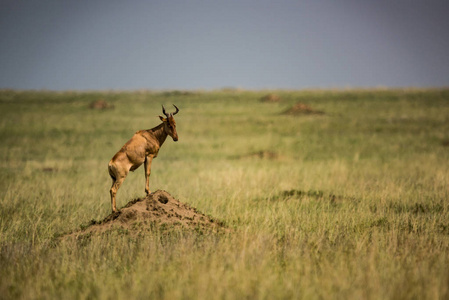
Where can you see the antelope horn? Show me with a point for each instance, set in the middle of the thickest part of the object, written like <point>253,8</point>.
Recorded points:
<point>177,109</point>
<point>163,110</point>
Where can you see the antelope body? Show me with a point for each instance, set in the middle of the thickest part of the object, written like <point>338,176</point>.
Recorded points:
<point>140,149</point>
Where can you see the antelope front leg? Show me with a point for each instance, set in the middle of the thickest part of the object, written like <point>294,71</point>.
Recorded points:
<point>148,161</point>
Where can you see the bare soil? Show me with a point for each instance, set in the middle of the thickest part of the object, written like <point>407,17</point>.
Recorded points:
<point>159,210</point>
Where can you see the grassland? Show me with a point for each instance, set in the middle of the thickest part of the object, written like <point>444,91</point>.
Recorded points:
<point>349,204</point>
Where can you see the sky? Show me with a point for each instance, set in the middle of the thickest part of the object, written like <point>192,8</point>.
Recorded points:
<point>213,44</point>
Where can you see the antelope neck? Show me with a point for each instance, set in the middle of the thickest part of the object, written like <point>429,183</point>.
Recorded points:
<point>159,133</point>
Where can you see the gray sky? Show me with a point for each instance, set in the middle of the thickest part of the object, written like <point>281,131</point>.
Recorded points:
<point>181,44</point>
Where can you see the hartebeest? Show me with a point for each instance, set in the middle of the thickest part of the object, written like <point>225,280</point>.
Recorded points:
<point>141,148</point>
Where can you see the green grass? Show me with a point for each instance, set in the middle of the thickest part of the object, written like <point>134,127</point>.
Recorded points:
<point>352,204</point>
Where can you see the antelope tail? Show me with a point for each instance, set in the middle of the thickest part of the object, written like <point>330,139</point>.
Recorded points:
<point>111,173</point>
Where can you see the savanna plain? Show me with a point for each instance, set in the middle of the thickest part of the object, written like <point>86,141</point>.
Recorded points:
<point>346,200</point>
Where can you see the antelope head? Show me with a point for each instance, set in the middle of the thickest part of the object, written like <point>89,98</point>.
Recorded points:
<point>169,123</point>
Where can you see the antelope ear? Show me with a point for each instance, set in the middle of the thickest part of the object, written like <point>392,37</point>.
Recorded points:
<point>163,119</point>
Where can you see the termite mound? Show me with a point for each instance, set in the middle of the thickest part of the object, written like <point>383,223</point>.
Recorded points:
<point>100,104</point>
<point>302,109</point>
<point>157,211</point>
<point>270,98</point>
<point>263,154</point>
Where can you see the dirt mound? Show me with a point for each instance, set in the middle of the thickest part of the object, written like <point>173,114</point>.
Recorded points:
<point>271,98</point>
<point>177,93</point>
<point>270,155</point>
<point>158,210</point>
<point>302,109</point>
<point>100,104</point>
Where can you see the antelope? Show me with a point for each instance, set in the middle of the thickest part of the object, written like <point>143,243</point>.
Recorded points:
<point>140,149</point>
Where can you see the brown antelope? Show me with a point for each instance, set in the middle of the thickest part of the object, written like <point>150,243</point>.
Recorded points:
<point>141,148</point>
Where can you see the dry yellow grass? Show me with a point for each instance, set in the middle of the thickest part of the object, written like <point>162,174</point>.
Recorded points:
<point>353,204</point>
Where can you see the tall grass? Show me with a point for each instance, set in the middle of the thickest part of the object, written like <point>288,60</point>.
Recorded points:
<point>349,204</point>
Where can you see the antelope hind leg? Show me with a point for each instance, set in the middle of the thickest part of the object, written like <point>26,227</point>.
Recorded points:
<point>115,186</point>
